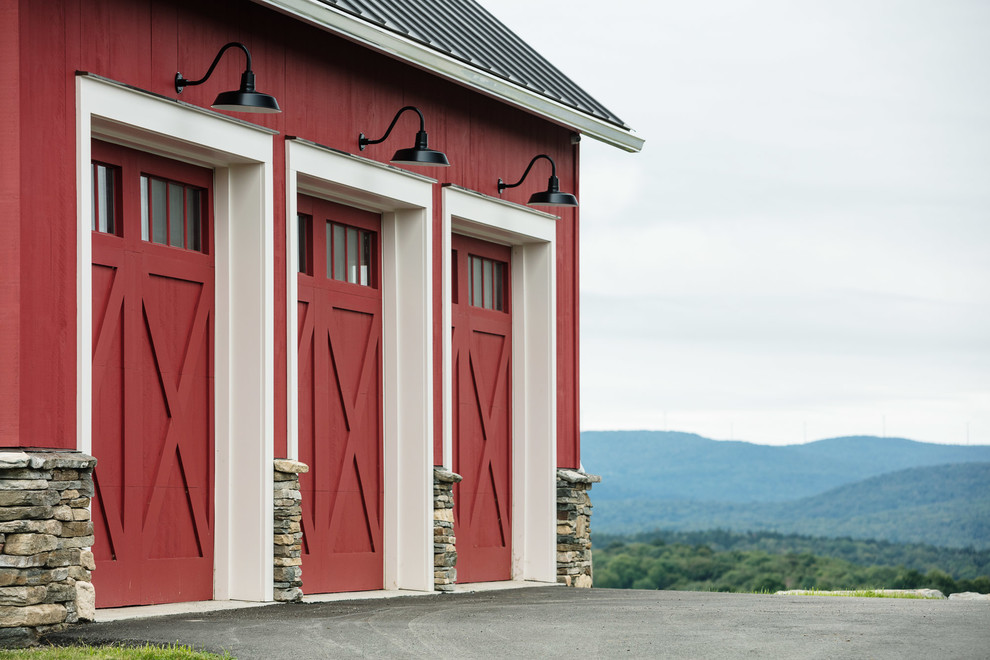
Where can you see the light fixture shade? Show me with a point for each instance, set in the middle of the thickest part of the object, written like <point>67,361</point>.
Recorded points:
<point>419,154</point>
<point>552,195</point>
<point>242,101</point>
<point>422,157</point>
<point>552,198</point>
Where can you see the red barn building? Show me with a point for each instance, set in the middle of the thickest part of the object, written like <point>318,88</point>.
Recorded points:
<point>191,293</point>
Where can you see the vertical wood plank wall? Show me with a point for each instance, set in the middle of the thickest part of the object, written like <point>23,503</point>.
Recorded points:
<point>10,211</point>
<point>330,90</point>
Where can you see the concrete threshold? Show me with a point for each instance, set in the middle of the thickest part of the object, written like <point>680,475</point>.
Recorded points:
<point>473,587</point>
<point>200,607</point>
<point>364,595</point>
<point>166,609</point>
<point>458,589</point>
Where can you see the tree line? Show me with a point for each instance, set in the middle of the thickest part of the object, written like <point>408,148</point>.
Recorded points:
<point>765,561</point>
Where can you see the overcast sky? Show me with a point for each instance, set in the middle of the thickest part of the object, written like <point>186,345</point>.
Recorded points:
<point>802,249</point>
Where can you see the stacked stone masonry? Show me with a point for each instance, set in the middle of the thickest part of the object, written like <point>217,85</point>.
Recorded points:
<point>574,527</point>
<point>288,531</point>
<point>46,536</point>
<point>444,541</point>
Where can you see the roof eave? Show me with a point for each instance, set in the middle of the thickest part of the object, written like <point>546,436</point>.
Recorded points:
<point>396,46</point>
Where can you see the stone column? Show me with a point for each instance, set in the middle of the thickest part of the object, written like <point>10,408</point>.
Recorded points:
<point>444,541</point>
<point>288,531</point>
<point>574,527</point>
<point>45,538</point>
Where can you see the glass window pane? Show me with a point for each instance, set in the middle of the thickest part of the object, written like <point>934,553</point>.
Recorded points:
<point>498,295</point>
<point>366,258</point>
<point>111,198</point>
<point>194,226</point>
<point>352,255</point>
<point>144,208</point>
<point>470,281</point>
<point>339,252</point>
<point>176,215</point>
<point>101,191</point>
<point>454,293</point>
<point>487,283</point>
<point>159,224</point>
<point>476,297</point>
<point>94,194</point>
<point>334,251</point>
<point>302,240</point>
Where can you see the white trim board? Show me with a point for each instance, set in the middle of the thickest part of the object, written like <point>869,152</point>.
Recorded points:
<point>532,235</point>
<point>241,156</point>
<point>405,201</point>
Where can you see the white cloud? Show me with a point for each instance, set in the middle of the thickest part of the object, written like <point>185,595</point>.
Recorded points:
<point>803,247</point>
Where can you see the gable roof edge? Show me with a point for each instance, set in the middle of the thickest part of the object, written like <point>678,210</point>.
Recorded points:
<point>421,56</point>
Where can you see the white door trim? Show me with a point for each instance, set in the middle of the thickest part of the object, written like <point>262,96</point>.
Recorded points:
<point>241,156</point>
<point>405,201</point>
<point>532,235</point>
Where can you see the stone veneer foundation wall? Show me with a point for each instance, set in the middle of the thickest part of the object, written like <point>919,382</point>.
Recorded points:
<point>574,528</point>
<point>444,541</point>
<point>288,531</point>
<point>45,538</point>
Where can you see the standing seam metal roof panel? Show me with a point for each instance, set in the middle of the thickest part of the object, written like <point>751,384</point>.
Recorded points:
<point>464,30</point>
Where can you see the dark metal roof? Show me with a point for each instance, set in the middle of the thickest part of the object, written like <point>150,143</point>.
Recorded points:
<point>464,30</point>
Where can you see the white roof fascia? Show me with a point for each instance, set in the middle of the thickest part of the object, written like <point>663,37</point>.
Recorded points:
<point>392,44</point>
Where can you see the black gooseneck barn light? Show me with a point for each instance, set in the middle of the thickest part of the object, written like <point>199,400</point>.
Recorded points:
<point>419,154</point>
<point>552,196</point>
<point>245,99</point>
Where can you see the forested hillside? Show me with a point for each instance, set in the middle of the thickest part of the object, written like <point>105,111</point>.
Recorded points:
<point>844,513</point>
<point>661,465</point>
<point>946,505</point>
<point>959,563</point>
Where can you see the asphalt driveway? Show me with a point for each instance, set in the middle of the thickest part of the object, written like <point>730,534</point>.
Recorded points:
<point>556,622</point>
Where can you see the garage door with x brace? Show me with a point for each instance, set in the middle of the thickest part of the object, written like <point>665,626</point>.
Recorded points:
<point>153,408</point>
<point>482,425</point>
<point>340,396</point>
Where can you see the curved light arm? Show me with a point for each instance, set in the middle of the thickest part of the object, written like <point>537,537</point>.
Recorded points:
<point>363,141</point>
<point>502,185</point>
<point>247,78</point>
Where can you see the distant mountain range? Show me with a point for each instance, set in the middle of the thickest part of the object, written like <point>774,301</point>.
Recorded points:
<point>863,487</point>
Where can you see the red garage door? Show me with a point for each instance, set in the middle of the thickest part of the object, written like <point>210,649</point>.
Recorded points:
<point>340,396</point>
<point>153,408</point>
<point>482,359</point>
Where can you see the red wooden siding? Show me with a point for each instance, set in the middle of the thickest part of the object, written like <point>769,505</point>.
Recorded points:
<point>340,402</point>
<point>152,399</point>
<point>10,210</point>
<point>482,424</point>
<point>330,90</point>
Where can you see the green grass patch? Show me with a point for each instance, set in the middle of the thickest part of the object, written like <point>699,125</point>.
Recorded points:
<point>114,652</point>
<point>865,593</point>
<point>873,593</point>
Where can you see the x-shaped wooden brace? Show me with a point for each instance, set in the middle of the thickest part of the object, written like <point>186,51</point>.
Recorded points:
<point>177,400</point>
<point>101,356</point>
<point>354,407</point>
<point>489,426</point>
